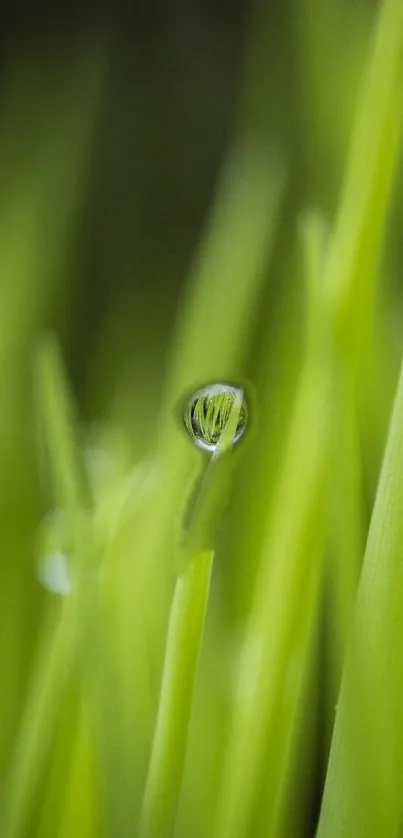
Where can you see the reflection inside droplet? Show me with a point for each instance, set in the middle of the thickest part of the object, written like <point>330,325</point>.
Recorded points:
<point>207,411</point>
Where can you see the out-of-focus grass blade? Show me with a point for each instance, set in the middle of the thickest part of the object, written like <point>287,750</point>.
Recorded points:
<point>228,272</point>
<point>292,777</point>
<point>59,649</point>
<point>59,766</point>
<point>287,588</point>
<point>363,789</point>
<point>297,798</point>
<point>43,165</point>
<point>323,36</point>
<point>352,263</point>
<point>350,278</point>
<point>345,519</point>
<point>65,462</point>
<point>53,667</point>
<point>43,193</point>
<point>81,814</point>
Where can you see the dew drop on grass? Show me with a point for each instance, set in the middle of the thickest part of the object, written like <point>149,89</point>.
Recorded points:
<point>54,574</point>
<point>207,411</point>
<point>53,567</point>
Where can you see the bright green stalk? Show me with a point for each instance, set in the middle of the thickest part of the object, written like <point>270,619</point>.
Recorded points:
<point>182,653</point>
<point>184,641</point>
<point>363,790</point>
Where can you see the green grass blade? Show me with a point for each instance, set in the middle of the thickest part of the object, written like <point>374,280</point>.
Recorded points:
<point>46,145</point>
<point>60,643</point>
<point>286,594</point>
<point>350,277</point>
<point>182,653</point>
<point>363,790</point>
<point>51,676</point>
<point>68,471</point>
<point>185,635</point>
<point>345,520</point>
<point>353,254</point>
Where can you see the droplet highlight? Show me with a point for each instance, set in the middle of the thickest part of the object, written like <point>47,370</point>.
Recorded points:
<point>53,566</point>
<point>54,574</point>
<point>207,411</point>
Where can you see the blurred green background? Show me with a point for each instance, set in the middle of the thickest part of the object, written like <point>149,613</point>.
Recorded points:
<point>169,176</point>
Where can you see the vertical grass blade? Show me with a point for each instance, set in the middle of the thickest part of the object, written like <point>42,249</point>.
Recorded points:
<point>285,601</point>
<point>351,279</point>
<point>68,472</point>
<point>367,185</point>
<point>46,143</point>
<point>59,642</point>
<point>185,635</point>
<point>182,653</point>
<point>53,670</point>
<point>363,791</point>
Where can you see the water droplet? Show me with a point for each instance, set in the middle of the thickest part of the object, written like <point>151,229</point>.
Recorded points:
<point>54,574</point>
<point>53,564</point>
<point>207,411</point>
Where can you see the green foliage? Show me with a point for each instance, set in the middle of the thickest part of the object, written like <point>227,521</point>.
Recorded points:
<point>181,676</point>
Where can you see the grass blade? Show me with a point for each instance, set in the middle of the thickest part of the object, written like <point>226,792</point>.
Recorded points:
<point>60,643</point>
<point>185,635</point>
<point>182,653</point>
<point>286,593</point>
<point>363,789</point>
